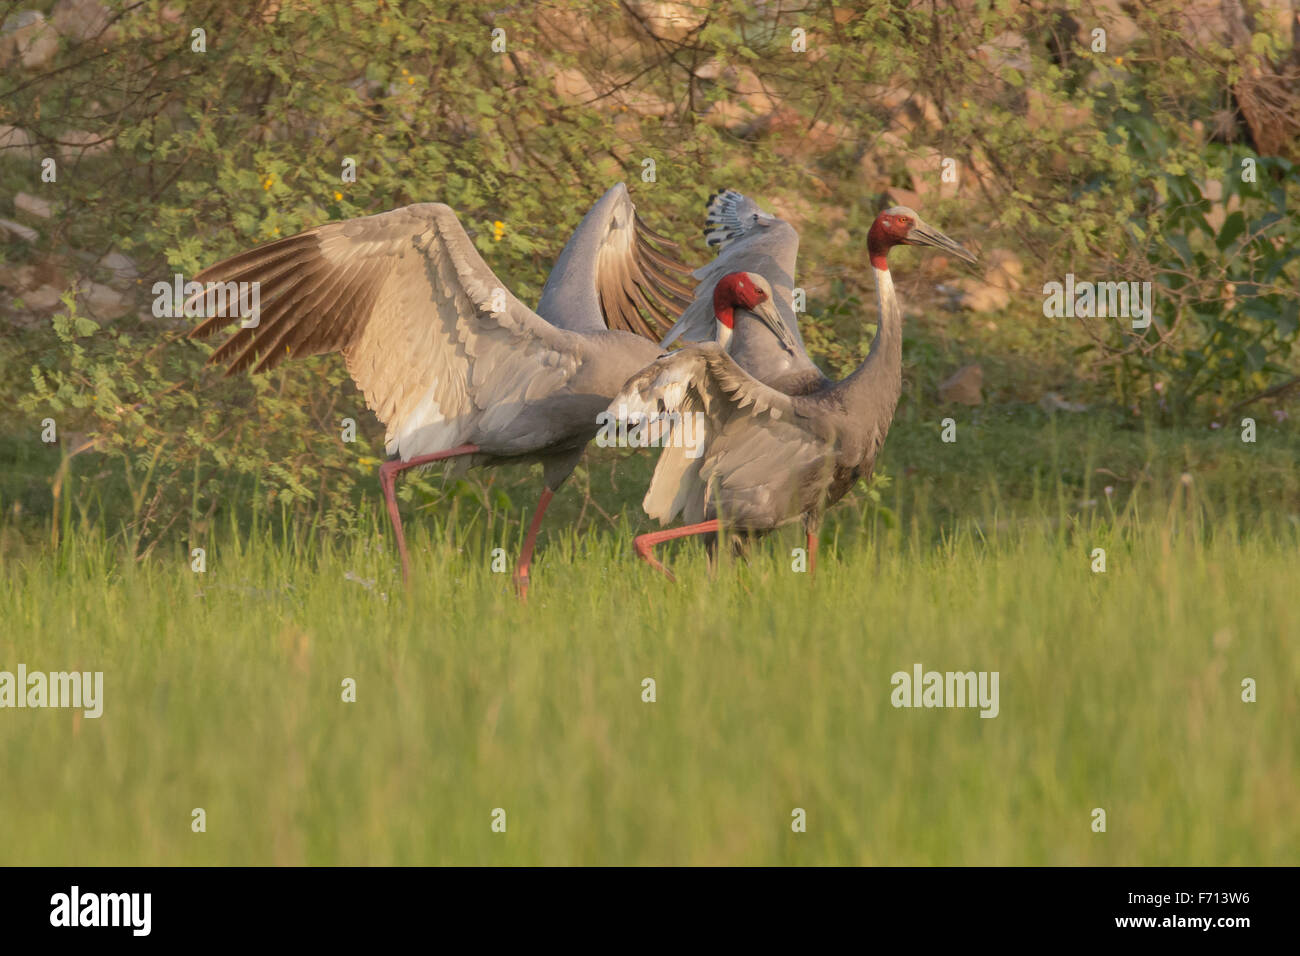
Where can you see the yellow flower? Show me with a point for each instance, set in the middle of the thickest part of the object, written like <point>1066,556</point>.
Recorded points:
<point>337,194</point>
<point>410,81</point>
<point>1119,61</point>
<point>269,180</point>
<point>498,230</point>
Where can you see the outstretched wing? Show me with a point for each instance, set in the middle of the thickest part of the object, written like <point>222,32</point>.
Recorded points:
<point>613,273</point>
<point>443,352</point>
<point>740,449</point>
<point>748,240</point>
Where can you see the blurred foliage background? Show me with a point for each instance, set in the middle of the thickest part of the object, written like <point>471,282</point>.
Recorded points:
<point>1149,142</point>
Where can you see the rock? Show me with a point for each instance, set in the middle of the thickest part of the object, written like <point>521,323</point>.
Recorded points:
<point>572,84</point>
<point>1121,30</point>
<point>907,110</point>
<point>33,205</point>
<point>1053,402</point>
<point>725,114</point>
<point>80,20</point>
<point>1219,210</point>
<point>964,386</point>
<point>898,196</point>
<point>978,295</point>
<point>710,69</point>
<point>46,298</point>
<point>76,143</point>
<point>668,21</point>
<point>1042,112</point>
<point>122,268</point>
<point>746,85</point>
<point>28,38</point>
<point>793,136</point>
<point>1206,22</point>
<point>976,173</point>
<point>1005,270</point>
<point>46,270</point>
<point>748,108</point>
<point>926,168</point>
<point>1003,275</point>
<point>1005,51</point>
<point>16,143</point>
<point>102,302</point>
<point>15,278</point>
<point>25,233</point>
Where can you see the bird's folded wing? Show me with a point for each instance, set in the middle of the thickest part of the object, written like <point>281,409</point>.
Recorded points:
<point>748,240</point>
<point>615,273</point>
<point>426,328</point>
<point>749,444</point>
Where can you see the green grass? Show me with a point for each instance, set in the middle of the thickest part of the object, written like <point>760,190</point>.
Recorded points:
<point>1119,690</point>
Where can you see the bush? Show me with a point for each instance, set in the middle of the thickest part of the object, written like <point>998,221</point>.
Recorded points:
<point>1066,155</point>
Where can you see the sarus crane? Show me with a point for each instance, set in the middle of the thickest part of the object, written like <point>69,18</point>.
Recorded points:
<point>751,240</point>
<point>767,458</point>
<point>449,360</point>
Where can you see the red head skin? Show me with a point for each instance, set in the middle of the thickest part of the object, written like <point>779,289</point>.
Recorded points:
<point>886,232</point>
<point>736,289</point>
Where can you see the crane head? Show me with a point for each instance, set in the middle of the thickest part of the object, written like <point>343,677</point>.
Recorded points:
<point>901,226</point>
<point>752,292</point>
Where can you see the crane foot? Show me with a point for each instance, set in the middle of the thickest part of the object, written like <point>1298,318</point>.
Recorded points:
<point>645,543</point>
<point>643,551</point>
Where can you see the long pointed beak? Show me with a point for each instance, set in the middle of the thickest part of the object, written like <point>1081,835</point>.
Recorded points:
<point>924,235</point>
<point>767,311</point>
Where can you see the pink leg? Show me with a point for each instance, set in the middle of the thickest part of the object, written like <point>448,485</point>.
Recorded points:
<point>645,542</point>
<point>526,556</point>
<point>388,472</point>
<point>814,539</point>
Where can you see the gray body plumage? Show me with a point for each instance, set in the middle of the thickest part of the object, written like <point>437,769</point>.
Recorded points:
<point>749,239</point>
<point>768,458</point>
<point>443,352</point>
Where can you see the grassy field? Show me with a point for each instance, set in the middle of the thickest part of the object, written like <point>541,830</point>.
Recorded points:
<point>1118,690</point>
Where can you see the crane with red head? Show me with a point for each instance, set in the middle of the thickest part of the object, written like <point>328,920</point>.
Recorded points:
<point>769,458</point>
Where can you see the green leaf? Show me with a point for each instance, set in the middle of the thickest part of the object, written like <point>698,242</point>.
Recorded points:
<point>1233,227</point>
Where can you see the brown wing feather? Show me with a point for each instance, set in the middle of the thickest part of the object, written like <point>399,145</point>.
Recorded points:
<point>435,341</point>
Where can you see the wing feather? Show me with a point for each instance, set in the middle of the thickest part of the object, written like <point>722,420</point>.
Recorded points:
<point>616,273</point>
<point>442,351</point>
<point>763,458</point>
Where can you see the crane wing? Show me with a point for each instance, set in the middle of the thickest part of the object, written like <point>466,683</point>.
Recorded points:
<point>748,240</point>
<point>755,456</point>
<point>437,344</point>
<point>614,274</point>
